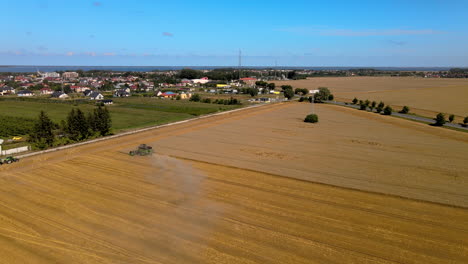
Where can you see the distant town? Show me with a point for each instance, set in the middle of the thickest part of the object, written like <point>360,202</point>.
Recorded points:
<point>175,83</point>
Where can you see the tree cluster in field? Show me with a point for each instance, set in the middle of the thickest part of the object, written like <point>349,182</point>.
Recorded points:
<point>230,101</point>
<point>76,127</point>
<point>312,118</point>
<point>288,91</point>
<point>321,96</point>
<point>15,126</point>
<point>251,91</point>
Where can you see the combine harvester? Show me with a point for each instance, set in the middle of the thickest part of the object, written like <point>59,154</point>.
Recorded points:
<point>8,160</point>
<point>143,150</point>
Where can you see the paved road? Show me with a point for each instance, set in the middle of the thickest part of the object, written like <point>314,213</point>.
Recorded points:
<point>407,116</point>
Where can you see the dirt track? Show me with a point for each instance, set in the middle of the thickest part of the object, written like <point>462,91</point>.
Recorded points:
<point>242,191</point>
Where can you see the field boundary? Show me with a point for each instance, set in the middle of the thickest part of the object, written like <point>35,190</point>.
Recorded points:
<point>136,131</point>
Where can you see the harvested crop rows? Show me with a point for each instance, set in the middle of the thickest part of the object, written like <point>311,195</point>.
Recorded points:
<point>255,186</point>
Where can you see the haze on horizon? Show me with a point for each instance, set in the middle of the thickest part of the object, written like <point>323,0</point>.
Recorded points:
<point>198,33</point>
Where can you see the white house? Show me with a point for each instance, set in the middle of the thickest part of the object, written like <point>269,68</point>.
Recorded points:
<point>46,91</point>
<point>25,93</point>
<point>6,90</point>
<point>96,96</point>
<point>59,95</point>
<point>50,75</point>
<point>201,80</point>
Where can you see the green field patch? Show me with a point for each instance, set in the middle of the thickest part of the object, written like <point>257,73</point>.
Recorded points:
<point>126,113</point>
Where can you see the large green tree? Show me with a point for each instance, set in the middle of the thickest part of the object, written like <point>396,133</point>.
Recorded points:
<point>289,93</point>
<point>77,126</point>
<point>322,95</point>
<point>42,135</point>
<point>101,121</point>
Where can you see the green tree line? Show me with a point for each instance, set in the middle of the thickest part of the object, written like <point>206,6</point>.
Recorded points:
<point>77,127</point>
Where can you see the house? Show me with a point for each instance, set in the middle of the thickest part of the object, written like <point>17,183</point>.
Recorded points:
<point>185,96</point>
<point>87,92</point>
<point>249,81</point>
<point>201,80</point>
<point>168,95</point>
<point>25,93</point>
<point>121,93</point>
<point>107,102</point>
<point>46,91</point>
<point>79,89</point>
<point>158,93</point>
<point>185,82</point>
<point>96,96</point>
<point>5,90</point>
<point>70,75</point>
<point>50,75</point>
<point>59,95</point>
<point>313,91</point>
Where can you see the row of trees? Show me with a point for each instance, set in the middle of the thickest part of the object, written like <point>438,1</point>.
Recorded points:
<point>230,101</point>
<point>379,108</point>
<point>76,127</point>
<point>440,119</point>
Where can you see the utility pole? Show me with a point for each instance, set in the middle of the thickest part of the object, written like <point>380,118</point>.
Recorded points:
<point>240,63</point>
<point>312,102</point>
<point>276,67</point>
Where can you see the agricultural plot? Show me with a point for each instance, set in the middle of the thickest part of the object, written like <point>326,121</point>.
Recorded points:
<point>424,96</point>
<point>255,186</point>
<point>126,113</point>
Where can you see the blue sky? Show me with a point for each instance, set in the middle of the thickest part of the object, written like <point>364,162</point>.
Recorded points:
<point>198,33</point>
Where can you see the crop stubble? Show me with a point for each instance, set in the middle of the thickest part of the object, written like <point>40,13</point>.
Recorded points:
<point>243,189</point>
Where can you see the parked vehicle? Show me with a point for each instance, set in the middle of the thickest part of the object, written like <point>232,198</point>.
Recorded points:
<point>9,160</point>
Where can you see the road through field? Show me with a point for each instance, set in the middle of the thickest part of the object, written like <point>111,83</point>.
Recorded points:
<point>245,188</point>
